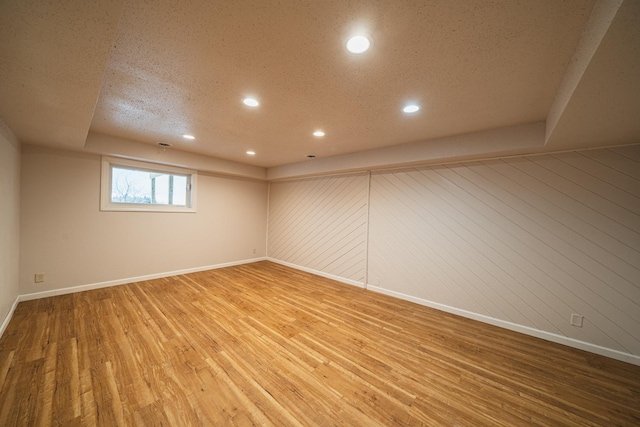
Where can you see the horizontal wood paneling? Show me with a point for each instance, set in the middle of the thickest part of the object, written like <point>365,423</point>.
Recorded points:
<point>527,240</point>
<point>320,224</point>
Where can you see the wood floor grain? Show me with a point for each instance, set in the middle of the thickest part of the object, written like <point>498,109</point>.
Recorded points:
<point>263,344</point>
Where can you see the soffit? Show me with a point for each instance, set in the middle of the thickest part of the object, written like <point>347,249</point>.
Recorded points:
<point>604,108</point>
<point>52,59</point>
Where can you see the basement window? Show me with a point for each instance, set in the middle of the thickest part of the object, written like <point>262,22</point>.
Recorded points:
<point>129,185</point>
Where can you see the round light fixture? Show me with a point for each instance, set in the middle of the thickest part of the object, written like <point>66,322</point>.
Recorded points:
<point>411,108</point>
<point>318,133</point>
<point>358,44</point>
<point>251,153</point>
<point>250,102</point>
<point>186,136</point>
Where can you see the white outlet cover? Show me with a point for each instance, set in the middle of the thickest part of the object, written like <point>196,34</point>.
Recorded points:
<point>576,320</point>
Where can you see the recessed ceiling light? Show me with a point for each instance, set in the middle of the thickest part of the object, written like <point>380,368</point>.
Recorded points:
<point>164,144</point>
<point>318,133</point>
<point>188,136</point>
<point>358,44</point>
<point>411,108</point>
<point>311,156</point>
<point>251,102</point>
<point>251,153</point>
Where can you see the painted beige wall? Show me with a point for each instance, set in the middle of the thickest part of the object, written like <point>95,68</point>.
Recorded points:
<point>65,236</point>
<point>9,218</point>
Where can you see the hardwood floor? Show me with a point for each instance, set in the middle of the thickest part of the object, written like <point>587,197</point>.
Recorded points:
<point>262,344</point>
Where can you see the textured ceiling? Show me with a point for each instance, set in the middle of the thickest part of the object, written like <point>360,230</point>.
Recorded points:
<point>151,70</point>
<point>184,67</point>
<point>52,59</point>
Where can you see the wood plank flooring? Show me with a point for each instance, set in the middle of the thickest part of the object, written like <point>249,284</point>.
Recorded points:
<point>263,344</point>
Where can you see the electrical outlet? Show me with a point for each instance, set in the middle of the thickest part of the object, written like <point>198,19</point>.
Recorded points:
<point>38,278</point>
<point>576,320</point>
<point>376,281</point>
<point>254,251</point>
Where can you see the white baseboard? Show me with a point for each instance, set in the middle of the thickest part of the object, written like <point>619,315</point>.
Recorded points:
<point>318,273</point>
<point>81,288</point>
<point>559,339</point>
<point>8,317</point>
<point>603,351</point>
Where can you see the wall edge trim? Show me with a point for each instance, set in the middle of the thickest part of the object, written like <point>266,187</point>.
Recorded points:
<point>9,316</point>
<point>537,333</point>
<point>117,282</point>
<point>318,273</point>
<point>548,336</point>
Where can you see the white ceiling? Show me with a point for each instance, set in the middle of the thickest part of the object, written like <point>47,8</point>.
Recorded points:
<point>145,71</point>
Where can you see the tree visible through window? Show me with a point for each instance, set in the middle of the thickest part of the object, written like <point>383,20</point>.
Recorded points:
<point>135,186</point>
<point>132,185</point>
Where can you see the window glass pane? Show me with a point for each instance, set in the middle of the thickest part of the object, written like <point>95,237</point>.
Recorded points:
<point>145,187</point>
<point>134,186</point>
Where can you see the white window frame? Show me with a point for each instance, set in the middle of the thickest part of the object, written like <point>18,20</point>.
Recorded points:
<point>105,186</point>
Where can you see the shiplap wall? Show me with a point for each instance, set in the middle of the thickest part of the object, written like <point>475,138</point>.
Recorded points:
<point>526,241</point>
<point>321,224</point>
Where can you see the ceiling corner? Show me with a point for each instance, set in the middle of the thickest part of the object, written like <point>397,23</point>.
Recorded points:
<point>54,56</point>
<point>597,103</point>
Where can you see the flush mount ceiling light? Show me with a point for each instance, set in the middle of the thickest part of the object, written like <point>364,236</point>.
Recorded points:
<point>318,133</point>
<point>250,102</point>
<point>411,108</point>
<point>186,136</point>
<point>358,44</point>
<point>251,153</point>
